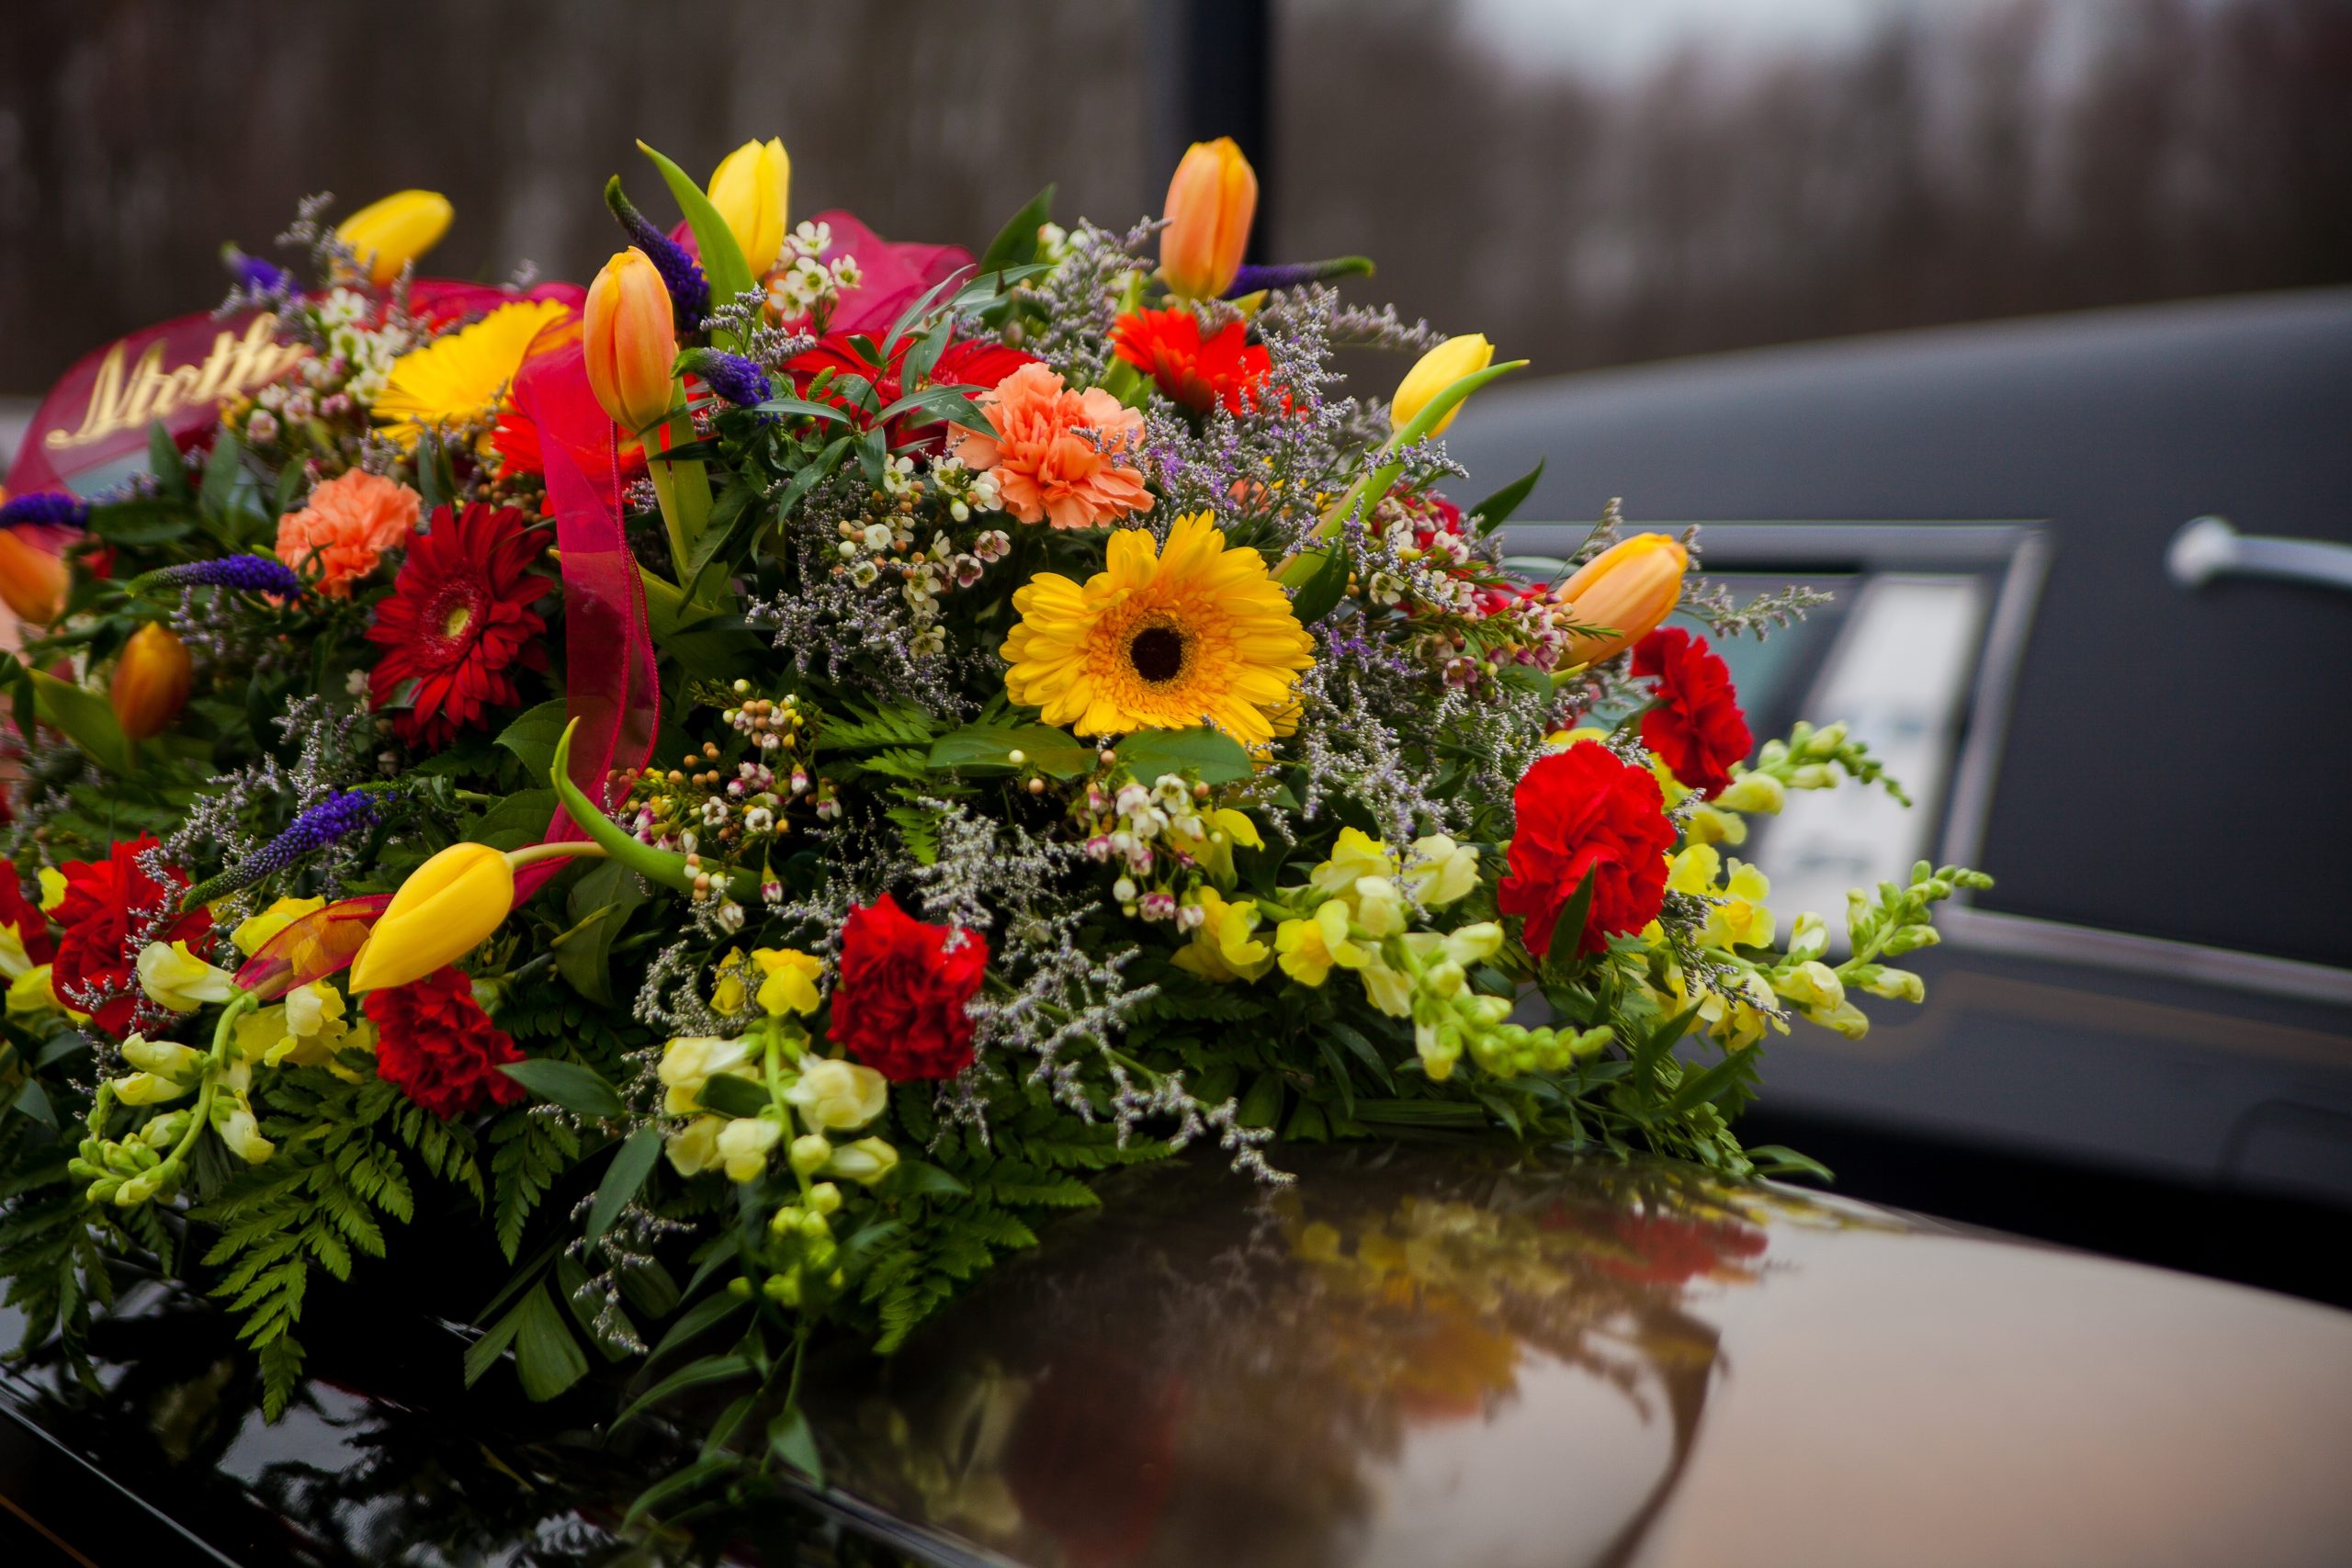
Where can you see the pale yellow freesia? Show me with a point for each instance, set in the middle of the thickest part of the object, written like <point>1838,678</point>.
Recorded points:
<point>693,1148</point>
<point>1441,871</point>
<point>691,1061</point>
<point>1227,828</point>
<point>839,1097</point>
<point>1311,947</point>
<point>867,1161</point>
<point>176,978</point>
<point>1354,854</point>
<point>743,1147</point>
<point>1225,948</point>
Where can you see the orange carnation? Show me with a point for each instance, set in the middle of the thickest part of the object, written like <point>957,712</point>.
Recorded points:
<point>349,524</point>
<point>1055,452</point>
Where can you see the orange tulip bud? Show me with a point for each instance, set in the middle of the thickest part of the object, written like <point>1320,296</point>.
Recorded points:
<point>1210,204</point>
<point>630,341</point>
<point>1630,588</point>
<point>151,682</point>
<point>387,235</point>
<point>33,575</point>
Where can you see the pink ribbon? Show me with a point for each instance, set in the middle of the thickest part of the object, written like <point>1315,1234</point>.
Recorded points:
<point>612,685</point>
<point>317,946</point>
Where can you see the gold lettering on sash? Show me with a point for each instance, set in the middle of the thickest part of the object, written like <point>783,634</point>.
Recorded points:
<point>234,367</point>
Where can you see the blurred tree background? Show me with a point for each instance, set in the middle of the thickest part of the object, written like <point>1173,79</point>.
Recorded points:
<point>1588,182</point>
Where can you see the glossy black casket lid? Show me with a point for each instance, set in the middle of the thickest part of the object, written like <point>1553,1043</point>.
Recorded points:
<point>1408,1356</point>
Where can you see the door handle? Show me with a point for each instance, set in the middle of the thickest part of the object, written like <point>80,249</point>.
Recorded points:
<point>2208,548</point>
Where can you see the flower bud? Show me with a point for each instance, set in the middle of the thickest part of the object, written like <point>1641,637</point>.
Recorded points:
<point>1439,369</point>
<point>1762,794</point>
<point>174,978</point>
<point>839,1096</point>
<point>1211,201</point>
<point>869,1160</point>
<point>33,575</point>
<point>752,189</point>
<point>1629,589</point>
<point>152,679</point>
<point>809,1154</point>
<point>743,1145</point>
<point>444,910</point>
<point>387,235</point>
<point>629,338</point>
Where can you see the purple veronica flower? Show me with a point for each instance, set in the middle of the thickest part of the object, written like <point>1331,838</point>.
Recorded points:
<point>339,815</point>
<point>1251,279</point>
<point>252,274</point>
<point>689,291</point>
<point>739,381</point>
<point>50,508</point>
<point>249,574</point>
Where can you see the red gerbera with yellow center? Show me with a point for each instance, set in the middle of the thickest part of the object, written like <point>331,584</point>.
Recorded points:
<point>458,620</point>
<point>1167,345</point>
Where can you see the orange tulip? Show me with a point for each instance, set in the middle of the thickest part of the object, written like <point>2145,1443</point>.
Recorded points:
<point>33,575</point>
<point>630,341</point>
<point>1628,589</point>
<point>151,682</point>
<point>1210,204</point>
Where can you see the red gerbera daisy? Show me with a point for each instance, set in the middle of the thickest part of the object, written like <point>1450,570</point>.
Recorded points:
<point>459,617</point>
<point>1167,345</point>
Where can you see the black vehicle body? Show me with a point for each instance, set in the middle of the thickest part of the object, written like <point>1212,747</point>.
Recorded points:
<point>1409,1356</point>
<point>2151,1015</point>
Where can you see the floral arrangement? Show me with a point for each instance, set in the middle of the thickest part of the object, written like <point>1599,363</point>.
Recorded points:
<point>728,797</point>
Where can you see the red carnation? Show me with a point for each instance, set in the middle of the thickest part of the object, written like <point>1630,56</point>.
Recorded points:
<point>438,1047</point>
<point>459,617</point>
<point>899,1006</point>
<point>1584,813</point>
<point>112,909</point>
<point>1167,345</point>
<point>22,916</point>
<point>1695,726</point>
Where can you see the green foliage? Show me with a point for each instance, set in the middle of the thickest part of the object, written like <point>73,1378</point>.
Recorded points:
<point>528,1154</point>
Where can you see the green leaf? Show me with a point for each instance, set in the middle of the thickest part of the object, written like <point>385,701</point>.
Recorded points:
<point>792,1440</point>
<point>1263,1104</point>
<point>579,1089</point>
<point>919,1178</point>
<point>697,1320</point>
<point>1323,590</point>
<point>694,1374</point>
<point>1016,243</point>
<point>583,954</point>
<point>546,1357</point>
<point>164,461</point>
<point>623,1178</point>
<point>483,1353</point>
<point>86,719</point>
<point>533,735</point>
<point>1216,758</point>
<point>223,471</point>
<point>677,1483</point>
<point>801,406</point>
<point>1779,1160</point>
<point>1567,926</point>
<point>951,403</point>
<point>142,520</point>
<point>722,258</point>
<point>521,818</point>
<point>730,1096</point>
<point>1496,509</point>
<point>33,1101</point>
<point>1703,1089</point>
<point>987,747</point>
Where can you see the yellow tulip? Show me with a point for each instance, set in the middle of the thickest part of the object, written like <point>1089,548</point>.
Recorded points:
<point>151,682</point>
<point>1629,589</point>
<point>630,340</point>
<point>387,235</point>
<point>33,578</point>
<point>1211,201</point>
<point>445,908</point>
<point>1439,369</point>
<point>752,189</point>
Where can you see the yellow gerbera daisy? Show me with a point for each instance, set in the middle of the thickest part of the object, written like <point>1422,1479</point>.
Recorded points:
<point>1169,639</point>
<point>459,378</point>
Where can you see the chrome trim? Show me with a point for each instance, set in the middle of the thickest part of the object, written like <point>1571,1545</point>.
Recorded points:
<point>2026,936</point>
<point>1999,660</point>
<point>2208,548</point>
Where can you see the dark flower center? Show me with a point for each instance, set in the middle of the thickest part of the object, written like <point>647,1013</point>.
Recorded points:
<point>1158,653</point>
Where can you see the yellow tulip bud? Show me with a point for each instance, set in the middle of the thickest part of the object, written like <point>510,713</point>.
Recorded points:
<point>752,189</point>
<point>387,235</point>
<point>1439,369</point>
<point>33,575</point>
<point>151,682</point>
<point>1629,589</point>
<point>446,906</point>
<point>630,340</point>
<point>1211,201</point>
